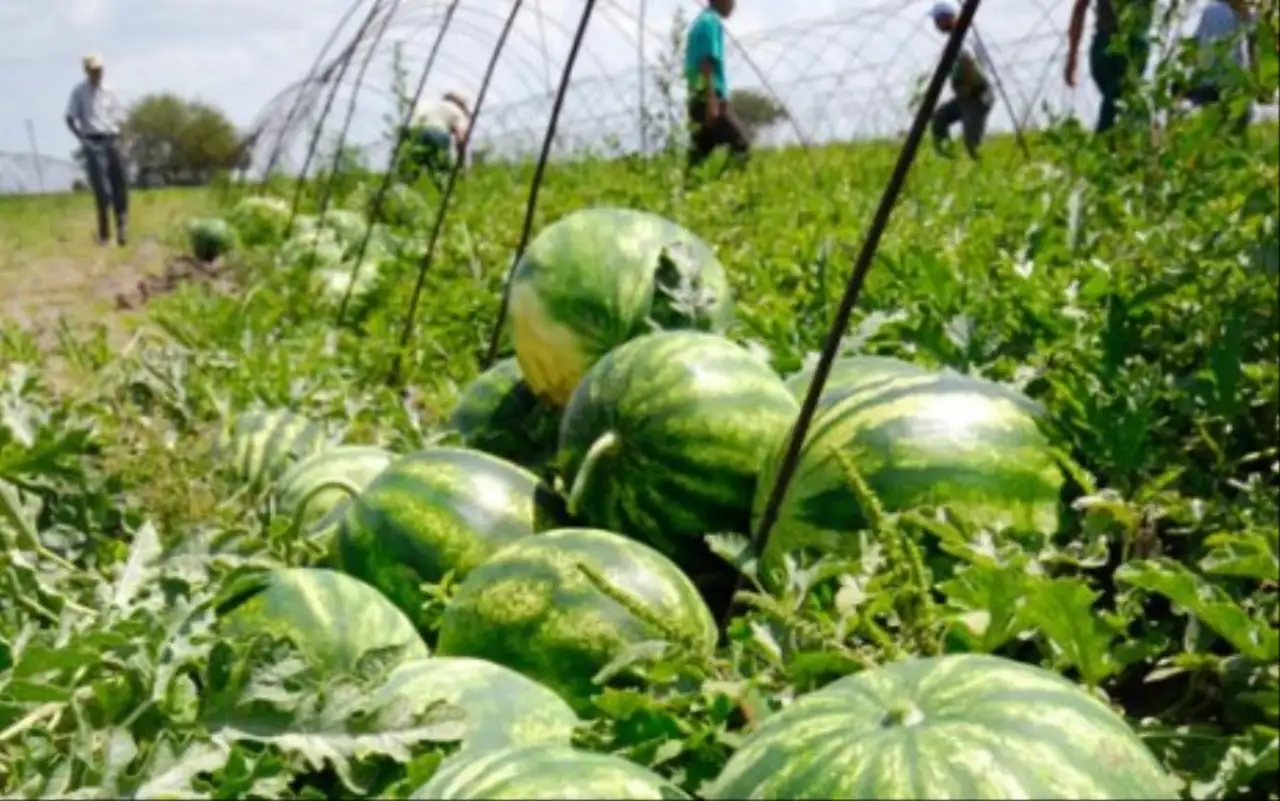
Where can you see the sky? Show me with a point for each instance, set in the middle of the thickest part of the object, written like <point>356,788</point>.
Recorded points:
<point>842,68</point>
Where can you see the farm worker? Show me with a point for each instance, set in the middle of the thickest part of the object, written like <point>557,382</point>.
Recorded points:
<point>95,118</point>
<point>439,127</point>
<point>712,121</point>
<point>1116,57</point>
<point>973,98</point>
<point>1226,44</point>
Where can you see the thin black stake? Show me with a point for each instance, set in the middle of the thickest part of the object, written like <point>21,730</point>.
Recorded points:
<point>370,51</point>
<point>447,194</point>
<point>532,204</point>
<point>387,177</point>
<point>862,266</point>
<point>643,78</point>
<point>1013,115</point>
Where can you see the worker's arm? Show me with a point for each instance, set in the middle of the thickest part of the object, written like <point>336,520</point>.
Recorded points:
<point>71,117</point>
<point>1074,31</point>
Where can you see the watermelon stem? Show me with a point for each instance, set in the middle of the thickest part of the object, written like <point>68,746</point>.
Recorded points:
<point>352,491</point>
<point>604,444</point>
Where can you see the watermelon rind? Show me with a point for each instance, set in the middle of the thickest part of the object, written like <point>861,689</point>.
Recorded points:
<point>848,374</point>
<point>532,607</point>
<point>599,277</point>
<point>918,441</point>
<point>326,480</point>
<point>434,512</point>
<point>959,726</point>
<point>544,772</point>
<point>664,438</point>
<point>502,707</point>
<point>332,618</point>
<point>498,413</point>
<point>262,444</point>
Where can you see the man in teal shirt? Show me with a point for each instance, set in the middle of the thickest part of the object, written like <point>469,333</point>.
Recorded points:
<point>712,120</point>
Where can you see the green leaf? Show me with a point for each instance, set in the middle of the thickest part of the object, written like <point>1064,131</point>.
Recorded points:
<point>1063,610</point>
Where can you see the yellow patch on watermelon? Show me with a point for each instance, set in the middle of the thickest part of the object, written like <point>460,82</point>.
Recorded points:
<point>548,352</point>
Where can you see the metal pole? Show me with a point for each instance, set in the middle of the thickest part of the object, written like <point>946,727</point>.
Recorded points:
<point>644,132</point>
<point>35,154</point>
<point>1013,115</point>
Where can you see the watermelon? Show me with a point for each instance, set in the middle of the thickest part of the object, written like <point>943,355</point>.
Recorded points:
<point>664,437</point>
<point>848,373</point>
<point>932,439</point>
<point>332,618</point>
<point>545,771</point>
<point>532,608</point>
<point>260,220</point>
<point>500,415</point>
<point>210,237</point>
<point>599,277</point>
<point>959,726</point>
<point>264,444</point>
<point>503,708</point>
<point>432,512</point>
<point>327,480</point>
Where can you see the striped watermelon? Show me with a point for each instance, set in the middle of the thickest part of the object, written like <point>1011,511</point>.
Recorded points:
<point>503,707</point>
<point>664,437</point>
<point>432,512</point>
<point>960,726</point>
<point>531,608</point>
<point>550,772</point>
<point>262,445</point>
<point>312,481</point>
<point>332,618</point>
<point>917,440</point>
<point>848,374</point>
<point>498,414</point>
<point>599,277</point>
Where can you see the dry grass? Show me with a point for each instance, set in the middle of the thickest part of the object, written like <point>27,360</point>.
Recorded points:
<point>51,266</point>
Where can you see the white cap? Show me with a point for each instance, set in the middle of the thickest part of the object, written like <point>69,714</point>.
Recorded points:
<point>942,9</point>
<point>93,61</point>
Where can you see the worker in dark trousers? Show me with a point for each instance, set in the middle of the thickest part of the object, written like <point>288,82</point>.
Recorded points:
<point>711,119</point>
<point>94,117</point>
<point>1118,54</point>
<point>972,101</point>
<point>1226,50</point>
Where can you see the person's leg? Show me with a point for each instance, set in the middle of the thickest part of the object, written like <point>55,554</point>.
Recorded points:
<point>944,116</point>
<point>1106,69</point>
<point>733,134</point>
<point>96,170</point>
<point>119,186</point>
<point>701,136</point>
<point>973,120</point>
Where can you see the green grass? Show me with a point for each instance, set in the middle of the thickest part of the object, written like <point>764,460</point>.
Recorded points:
<point>1128,289</point>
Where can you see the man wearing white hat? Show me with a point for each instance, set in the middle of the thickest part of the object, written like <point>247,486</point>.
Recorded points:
<point>973,99</point>
<point>94,116</point>
<point>438,132</point>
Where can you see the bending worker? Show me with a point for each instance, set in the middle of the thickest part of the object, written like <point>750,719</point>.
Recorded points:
<point>972,101</point>
<point>439,133</point>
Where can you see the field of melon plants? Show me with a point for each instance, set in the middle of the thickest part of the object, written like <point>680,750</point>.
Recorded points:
<point>1028,550</point>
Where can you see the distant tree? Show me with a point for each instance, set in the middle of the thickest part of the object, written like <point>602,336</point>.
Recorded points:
<point>172,140</point>
<point>757,110</point>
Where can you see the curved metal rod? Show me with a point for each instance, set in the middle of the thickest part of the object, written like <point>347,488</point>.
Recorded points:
<point>532,204</point>
<point>401,129</point>
<point>427,258</point>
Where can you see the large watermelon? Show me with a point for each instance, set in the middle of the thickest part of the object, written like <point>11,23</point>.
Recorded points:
<point>263,444</point>
<point>531,608</point>
<point>960,726</point>
<point>432,512</point>
<point>664,437</point>
<point>918,440</point>
<point>502,707</point>
<point>601,276</point>
<point>550,772</point>
<point>848,374</point>
<point>500,415</point>
<point>325,481</point>
<point>332,618</point>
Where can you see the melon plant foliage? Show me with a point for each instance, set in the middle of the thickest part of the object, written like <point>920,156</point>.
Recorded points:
<point>1126,292</point>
